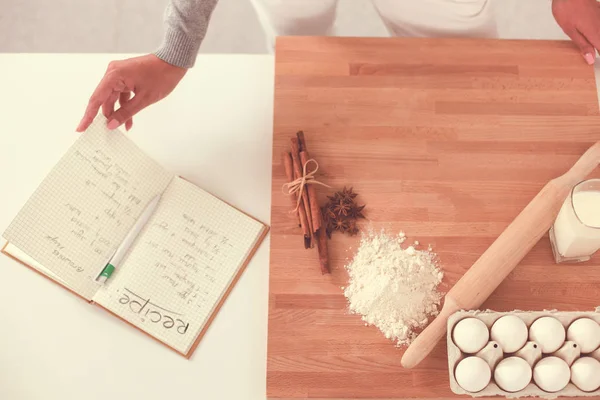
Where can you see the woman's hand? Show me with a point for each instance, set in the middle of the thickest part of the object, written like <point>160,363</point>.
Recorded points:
<point>148,77</point>
<point>580,19</point>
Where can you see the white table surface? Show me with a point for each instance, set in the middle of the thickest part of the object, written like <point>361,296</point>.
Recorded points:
<point>214,129</point>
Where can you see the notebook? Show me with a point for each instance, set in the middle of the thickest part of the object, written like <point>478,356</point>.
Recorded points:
<point>180,267</point>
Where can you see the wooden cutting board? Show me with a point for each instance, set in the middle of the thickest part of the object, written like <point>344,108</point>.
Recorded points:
<point>445,139</point>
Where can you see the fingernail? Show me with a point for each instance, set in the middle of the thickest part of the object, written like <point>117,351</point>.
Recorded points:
<point>589,58</point>
<point>113,124</point>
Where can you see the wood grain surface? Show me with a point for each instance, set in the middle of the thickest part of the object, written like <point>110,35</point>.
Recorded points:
<point>445,139</point>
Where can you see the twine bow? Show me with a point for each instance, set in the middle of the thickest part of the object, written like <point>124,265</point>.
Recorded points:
<point>307,178</point>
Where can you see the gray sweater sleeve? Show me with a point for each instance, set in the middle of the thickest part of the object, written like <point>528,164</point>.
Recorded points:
<point>186,22</point>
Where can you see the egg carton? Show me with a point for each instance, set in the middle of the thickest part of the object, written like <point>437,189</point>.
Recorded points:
<point>455,355</point>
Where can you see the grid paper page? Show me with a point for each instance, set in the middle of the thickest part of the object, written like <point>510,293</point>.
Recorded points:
<point>86,205</point>
<point>181,265</point>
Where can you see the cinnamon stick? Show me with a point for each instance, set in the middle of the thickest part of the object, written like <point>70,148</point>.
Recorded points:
<point>322,248</point>
<point>317,217</point>
<point>301,214</point>
<point>312,191</point>
<point>298,171</point>
<point>301,141</point>
<point>286,158</point>
<point>315,210</point>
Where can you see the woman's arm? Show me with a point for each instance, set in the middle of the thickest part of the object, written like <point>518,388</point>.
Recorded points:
<point>186,22</point>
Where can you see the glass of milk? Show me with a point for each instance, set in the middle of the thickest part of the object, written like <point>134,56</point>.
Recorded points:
<point>575,235</point>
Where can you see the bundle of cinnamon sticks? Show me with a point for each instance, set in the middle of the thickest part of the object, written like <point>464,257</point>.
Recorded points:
<point>307,207</point>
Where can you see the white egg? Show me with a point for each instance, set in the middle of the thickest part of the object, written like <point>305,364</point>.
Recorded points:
<point>586,333</point>
<point>473,374</point>
<point>510,332</point>
<point>548,332</point>
<point>551,374</point>
<point>470,335</point>
<point>585,374</point>
<point>513,374</point>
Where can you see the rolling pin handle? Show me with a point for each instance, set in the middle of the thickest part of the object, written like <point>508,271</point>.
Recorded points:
<point>424,344</point>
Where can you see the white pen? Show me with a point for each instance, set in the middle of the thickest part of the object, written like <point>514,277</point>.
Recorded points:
<point>122,250</point>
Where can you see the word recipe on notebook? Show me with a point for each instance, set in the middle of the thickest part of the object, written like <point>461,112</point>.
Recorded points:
<point>180,266</point>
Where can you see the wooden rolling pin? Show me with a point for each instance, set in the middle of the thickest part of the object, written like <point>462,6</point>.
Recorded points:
<point>478,283</point>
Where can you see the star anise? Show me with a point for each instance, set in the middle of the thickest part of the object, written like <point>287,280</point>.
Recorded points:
<point>334,198</point>
<point>342,225</point>
<point>342,207</point>
<point>352,228</point>
<point>356,212</point>
<point>328,213</point>
<point>348,194</point>
<point>341,212</point>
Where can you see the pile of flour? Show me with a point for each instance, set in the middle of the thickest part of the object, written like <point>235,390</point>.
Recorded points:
<point>392,287</point>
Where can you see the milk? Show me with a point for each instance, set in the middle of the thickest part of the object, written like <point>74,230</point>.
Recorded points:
<point>572,237</point>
